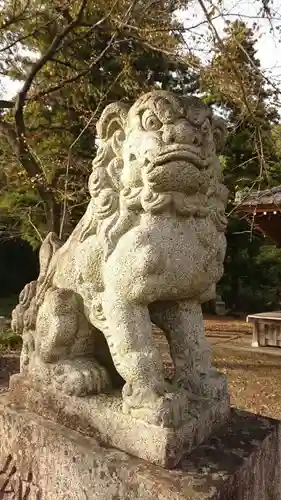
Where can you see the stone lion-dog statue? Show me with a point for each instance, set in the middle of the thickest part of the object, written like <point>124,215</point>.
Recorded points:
<point>149,249</point>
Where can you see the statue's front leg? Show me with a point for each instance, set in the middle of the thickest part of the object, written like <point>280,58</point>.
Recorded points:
<point>182,322</point>
<point>146,394</point>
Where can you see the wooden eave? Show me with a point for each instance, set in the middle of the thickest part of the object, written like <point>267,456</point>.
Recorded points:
<point>263,209</point>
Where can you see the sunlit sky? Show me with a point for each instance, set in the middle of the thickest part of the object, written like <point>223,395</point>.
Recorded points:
<point>269,40</point>
<point>268,45</point>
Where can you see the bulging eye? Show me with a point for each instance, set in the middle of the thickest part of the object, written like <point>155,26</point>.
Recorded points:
<point>150,121</point>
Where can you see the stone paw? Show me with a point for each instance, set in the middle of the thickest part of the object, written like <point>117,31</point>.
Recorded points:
<point>213,384</point>
<point>80,377</point>
<point>190,383</point>
<point>203,386</point>
<point>165,410</point>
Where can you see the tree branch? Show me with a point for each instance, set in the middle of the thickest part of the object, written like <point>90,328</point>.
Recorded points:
<point>77,76</point>
<point>48,55</point>
<point>15,18</point>
<point>24,37</point>
<point>221,44</point>
<point>17,137</point>
<point>26,157</point>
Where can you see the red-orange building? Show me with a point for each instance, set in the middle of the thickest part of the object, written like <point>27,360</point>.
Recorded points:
<point>263,210</point>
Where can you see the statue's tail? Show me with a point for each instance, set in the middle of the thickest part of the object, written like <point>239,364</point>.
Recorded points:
<point>48,249</point>
<point>18,314</point>
<point>25,313</point>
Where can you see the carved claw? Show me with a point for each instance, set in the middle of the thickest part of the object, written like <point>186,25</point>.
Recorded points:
<point>189,381</point>
<point>201,386</point>
<point>165,410</point>
<point>80,377</point>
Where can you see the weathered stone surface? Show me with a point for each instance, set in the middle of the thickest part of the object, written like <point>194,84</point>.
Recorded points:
<point>240,462</point>
<point>149,249</point>
<point>102,417</point>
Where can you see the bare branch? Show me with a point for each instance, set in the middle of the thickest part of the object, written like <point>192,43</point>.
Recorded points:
<point>33,225</point>
<point>48,55</point>
<point>17,137</point>
<point>251,62</point>
<point>15,17</point>
<point>230,61</point>
<point>75,77</point>
<point>24,37</point>
<point>255,67</point>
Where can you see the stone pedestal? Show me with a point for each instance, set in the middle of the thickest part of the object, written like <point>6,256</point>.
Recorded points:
<point>41,460</point>
<point>101,417</point>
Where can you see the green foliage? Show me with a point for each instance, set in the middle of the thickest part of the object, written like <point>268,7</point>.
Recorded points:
<point>7,304</point>
<point>251,282</point>
<point>252,158</point>
<point>116,51</point>
<point>234,82</point>
<point>9,340</point>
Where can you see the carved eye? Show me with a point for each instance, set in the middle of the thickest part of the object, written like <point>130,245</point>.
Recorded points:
<point>150,121</point>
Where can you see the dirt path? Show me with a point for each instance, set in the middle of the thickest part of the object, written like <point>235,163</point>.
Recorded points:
<point>254,380</point>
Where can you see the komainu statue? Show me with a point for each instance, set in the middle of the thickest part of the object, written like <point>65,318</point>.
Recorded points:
<point>149,249</point>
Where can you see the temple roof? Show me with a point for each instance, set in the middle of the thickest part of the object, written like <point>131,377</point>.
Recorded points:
<point>259,198</point>
<point>263,209</point>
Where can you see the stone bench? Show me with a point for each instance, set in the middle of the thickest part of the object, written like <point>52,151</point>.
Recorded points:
<point>266,329</point>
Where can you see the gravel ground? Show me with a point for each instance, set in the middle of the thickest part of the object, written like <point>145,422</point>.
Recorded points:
<point>254,380</point>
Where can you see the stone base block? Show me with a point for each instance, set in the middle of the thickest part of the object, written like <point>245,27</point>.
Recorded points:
<point>101,417</point>
<point>41,460</point>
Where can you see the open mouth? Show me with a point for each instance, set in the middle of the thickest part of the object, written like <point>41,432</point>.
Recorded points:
<point>178,154</point>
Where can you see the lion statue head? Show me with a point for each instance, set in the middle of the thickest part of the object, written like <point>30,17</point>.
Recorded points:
<point>158,155</point>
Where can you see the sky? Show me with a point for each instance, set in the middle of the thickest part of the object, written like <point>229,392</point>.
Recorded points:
<point>268,45</point>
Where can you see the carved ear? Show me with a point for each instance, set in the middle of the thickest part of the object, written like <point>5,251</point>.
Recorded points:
<point>112,123</point>
<point>219,132</point>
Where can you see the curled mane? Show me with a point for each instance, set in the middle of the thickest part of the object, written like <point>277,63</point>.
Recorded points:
<point>110,217</point>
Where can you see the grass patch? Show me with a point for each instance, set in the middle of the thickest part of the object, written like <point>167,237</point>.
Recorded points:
<point>9,340</point>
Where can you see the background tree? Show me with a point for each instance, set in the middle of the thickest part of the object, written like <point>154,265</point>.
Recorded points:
<point>72,59</point>
<point>234,83</point>
<point>248,105</point>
